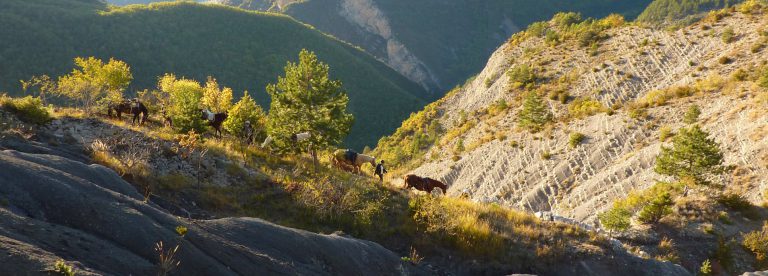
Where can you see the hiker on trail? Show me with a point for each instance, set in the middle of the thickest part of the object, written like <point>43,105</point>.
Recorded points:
<point>380,170</point>
<point>248,132</point>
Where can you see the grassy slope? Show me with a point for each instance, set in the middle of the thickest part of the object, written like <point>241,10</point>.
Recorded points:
<point>196,40</point>
<point>660,11</point>
<point>454,38</point>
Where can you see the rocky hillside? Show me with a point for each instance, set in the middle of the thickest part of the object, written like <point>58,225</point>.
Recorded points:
<point>499,162</point>
<point>55,207</point>
<point>437,44</point>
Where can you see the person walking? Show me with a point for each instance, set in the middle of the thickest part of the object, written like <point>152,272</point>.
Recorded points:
<point>380,170</point>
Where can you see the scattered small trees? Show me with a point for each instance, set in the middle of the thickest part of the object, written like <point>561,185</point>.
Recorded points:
<point>95,82</point>
<point>185,98</point>
<point>585,107</point>
<point>306,99</point>
<point>535,113</point>
<point>692,155</point>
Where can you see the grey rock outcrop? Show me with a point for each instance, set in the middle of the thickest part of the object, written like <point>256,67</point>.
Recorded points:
<point>55,208</point>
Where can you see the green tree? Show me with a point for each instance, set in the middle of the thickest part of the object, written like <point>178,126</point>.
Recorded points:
<point>95,82</point>
<point>692,115</point>
<point>306,99</point>
<point>615,219</point>
<point>245,109</point>
<point>535,113</point>
<point>185,99</point>
<point>215,98</point>
<point>657,209</point>
<point>693,155</point>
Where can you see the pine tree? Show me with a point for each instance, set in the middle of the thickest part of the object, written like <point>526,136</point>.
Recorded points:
<point>216,99</point>
<point>306,99</point>
<point>693,155</point>
<point>535,113</point>
<point>657,209</point>
<point>615,219</point>
<point>245,109</point>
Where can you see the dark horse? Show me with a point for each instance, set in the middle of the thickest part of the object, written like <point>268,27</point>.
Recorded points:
<point>214,119</point>
<point>423,183</point>
<point>131,107</point>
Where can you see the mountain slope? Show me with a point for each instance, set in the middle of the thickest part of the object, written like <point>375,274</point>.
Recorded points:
<point>667,11</point>
<point>243,50</point>
<point>497,161</point>
<point>438,44</point>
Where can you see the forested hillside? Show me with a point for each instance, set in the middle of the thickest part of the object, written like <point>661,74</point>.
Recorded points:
<point>666,11</point>
<point>243,50</point>
<point>439,43</point>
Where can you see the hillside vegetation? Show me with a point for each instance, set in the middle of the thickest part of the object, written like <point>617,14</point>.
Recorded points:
<point>669,11</point>
<point>242,50</point>
<point>575,114</point>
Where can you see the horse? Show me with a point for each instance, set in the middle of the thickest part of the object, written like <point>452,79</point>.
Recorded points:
<point>131,107</point>
<point>425,184</point>
<point>214,120</point>
<point>341,161</point>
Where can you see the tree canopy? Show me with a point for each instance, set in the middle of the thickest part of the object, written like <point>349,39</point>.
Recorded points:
<point>95,82</point>
<point>535,113</point>
<point>693,155</point>
<point>307,100</point>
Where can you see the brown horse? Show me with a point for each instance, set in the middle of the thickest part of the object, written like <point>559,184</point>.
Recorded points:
<point>425,184</point>
<point>138,109</point>
<point>340,161</point>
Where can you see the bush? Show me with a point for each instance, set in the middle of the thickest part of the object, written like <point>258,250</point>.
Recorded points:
<point>728,35</point>
<point>566,19</point>
<point>692,114</point>
<point>521,76</point>
<point>757,243</point>
<point>615,219</point>
<point>724,60</point>
<point>575,139</point>
<point>535,113</point>
<point>62,268</point>
<point>584,107</point>
<point>657,209</point>
<point>706,268</point>
<point>28,109</point>
<point>665,133</point>
<point>246,110</point>
<point>185,97</point>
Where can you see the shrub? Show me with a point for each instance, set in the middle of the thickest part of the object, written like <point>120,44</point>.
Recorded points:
<point>246,110</point>
<point>657,209</point>
<point>740,75</point>
<point>521,76</point>
<point>185,97</point>
<point>615,219</point>
<point>706,268</point>
<point>29,109</point>
<point>63,268</point>
<point>535,113</point>
<point>757,243</point>
<point>724,60</point>
<point>692,114</point>
<point>215,98</point>
<point>546,155</point>
<point>750,7</point>
<point>584,107</point>
<point>665,133</point>
<point>728,35</point>
<point>181,230</point>
<point>566,19</point>
<point>575,139</point>
<point>537,29</point>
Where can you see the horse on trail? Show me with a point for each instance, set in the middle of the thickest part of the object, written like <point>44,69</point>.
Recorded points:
<point>131,107</point>
<point>214,120</point>
<point>341,160</point>
<point>425,184</point>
